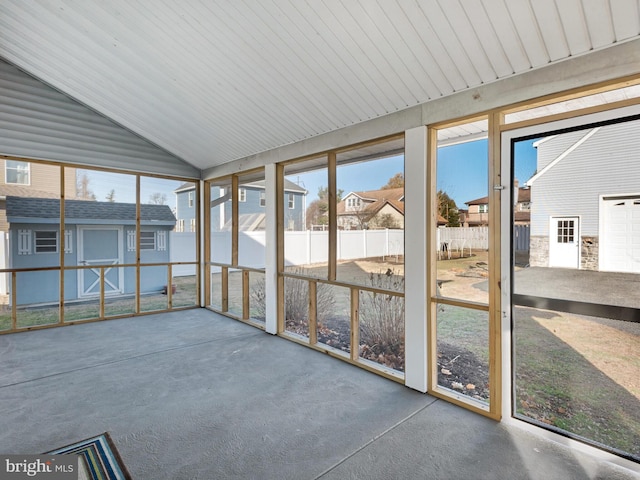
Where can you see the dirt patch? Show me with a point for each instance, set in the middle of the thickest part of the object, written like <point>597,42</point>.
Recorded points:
<point>462,371</point>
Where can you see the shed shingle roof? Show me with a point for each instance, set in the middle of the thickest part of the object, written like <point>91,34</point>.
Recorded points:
<point>48,208</point>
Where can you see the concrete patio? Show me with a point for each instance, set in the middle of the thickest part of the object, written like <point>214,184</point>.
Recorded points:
<point>192,394</point>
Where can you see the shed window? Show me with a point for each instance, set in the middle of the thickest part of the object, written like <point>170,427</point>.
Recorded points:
<point>46,241</point>
<point>147,240</point>
<point>16,172</point>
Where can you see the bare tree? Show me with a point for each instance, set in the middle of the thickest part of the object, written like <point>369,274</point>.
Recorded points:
<point>83,190</point>
<point>111,196</point>
<point>158,198</point>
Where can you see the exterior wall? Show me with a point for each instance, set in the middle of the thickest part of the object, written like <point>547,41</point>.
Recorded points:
<point>589,253</point>
<point>539,251</point>
<point>81,136</point>
<point>46,178</point>
<point>152,279</point>
<point>388,210</point>
<point>184,212</point>
<point>604,164</point>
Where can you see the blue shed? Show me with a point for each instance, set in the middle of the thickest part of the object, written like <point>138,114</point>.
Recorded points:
<point>95,233</point>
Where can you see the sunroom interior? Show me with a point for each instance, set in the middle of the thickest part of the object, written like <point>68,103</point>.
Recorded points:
<point>441,194</point>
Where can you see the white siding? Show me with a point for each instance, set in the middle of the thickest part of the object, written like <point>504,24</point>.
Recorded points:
<point>37,121</point>
<point>606,164</point>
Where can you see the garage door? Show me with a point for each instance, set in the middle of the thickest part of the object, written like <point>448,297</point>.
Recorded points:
<point>620,234</point>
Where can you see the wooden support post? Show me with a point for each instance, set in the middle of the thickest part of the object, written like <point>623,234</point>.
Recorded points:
<point>313,312</point>
<point>62,243</point>
<point>207,245</point>
<point>495,292</point>
<point>355,324</point>
<point>225,288</point>
<point>14,302</point>
<point>138,216</point>
<point>101,293</point>
<point>170,286</point>
<point>333,222</point>
<point>246,306</point>
<point>432,223</point>
<point>279,196</point>
<point>234,220</point>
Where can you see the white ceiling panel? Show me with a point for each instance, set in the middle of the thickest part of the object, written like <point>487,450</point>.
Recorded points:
<point>218,80</point>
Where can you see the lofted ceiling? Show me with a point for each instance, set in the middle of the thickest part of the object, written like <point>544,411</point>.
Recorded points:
<point>215,81</point>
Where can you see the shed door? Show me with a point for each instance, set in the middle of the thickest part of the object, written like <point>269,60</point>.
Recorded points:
<point>620,234</point>
<point>99,246</point>
<point>564,242</point>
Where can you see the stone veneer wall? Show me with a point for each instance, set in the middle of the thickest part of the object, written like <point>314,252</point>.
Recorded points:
<point>589,253</point>
<point>539,251</point>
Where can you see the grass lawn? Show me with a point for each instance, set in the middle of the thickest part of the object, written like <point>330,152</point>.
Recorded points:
<point>580,374</point>
<point>29,316</point>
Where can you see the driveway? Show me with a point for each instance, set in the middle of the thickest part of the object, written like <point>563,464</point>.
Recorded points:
<point>608,288</point>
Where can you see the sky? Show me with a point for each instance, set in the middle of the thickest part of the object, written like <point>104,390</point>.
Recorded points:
<point>124,186</point>
<point>462,172</point>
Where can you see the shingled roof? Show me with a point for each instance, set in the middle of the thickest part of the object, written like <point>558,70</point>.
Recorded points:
<point>23,210</point>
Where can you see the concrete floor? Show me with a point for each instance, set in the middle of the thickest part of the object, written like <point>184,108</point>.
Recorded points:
<point>193,395</point>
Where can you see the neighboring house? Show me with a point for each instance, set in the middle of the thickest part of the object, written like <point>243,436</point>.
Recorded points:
<point>186,207</point>
<point>477,213</point>
<point>251,207</point>
<point>32,179</point>
<point>95,233</point>
<point>585,202</point>
<point>371,209</point>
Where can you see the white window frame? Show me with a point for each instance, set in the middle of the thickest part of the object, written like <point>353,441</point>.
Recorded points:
<point>291,201</point>
<point>242,194</point>
<point>146,236</point>
<point>190,197</point>
<point>483,208</point>
<point>263,199</point>
<point>38,246</point>
<point>15,166</point>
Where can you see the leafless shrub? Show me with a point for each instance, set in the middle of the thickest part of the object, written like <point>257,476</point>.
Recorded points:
<point>381,314</point>
<point>296,298</point>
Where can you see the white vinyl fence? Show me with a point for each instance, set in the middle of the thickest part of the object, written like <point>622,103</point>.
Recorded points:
<point>462,239</point>
<point>309,247</point>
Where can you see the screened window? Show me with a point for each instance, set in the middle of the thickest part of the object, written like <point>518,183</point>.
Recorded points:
<point>17,172</point>
<point>147,241</point>
<point>46,241</point>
